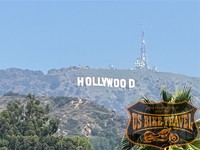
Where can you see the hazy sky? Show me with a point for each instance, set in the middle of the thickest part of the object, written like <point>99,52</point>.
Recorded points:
<point>45,34</point>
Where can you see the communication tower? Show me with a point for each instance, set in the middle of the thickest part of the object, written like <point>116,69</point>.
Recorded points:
<point>142,62</point>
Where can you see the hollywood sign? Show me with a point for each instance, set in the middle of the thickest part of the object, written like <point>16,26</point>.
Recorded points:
<point>106,82</point>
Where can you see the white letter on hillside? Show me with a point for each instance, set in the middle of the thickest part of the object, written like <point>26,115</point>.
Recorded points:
<point>123,83</point>
<point>109,81</point>
<point>94,82</point>
<point>88,81</point>
<point>103,81</point>
<point>131,83</point>
<point>116,83</point>
<point>80,81</point>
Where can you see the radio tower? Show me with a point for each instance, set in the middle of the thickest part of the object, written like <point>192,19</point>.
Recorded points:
<point>142,62</point>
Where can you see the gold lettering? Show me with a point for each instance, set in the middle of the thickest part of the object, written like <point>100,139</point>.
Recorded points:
<point>170,121</point>
<point>154,123</point>
<point>166,121</point>
<point>143,121</point>
<point>175,124</point>
<point>180,120</point>
<point>134,117</point>
<point>150,121</point>
<point>139,121</point>
<point>159,121</point>
<point>190,123</point>
<point>146,121</point>
<point>185,121</point>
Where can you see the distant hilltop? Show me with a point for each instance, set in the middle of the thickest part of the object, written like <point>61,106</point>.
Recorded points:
<point>63,82</point>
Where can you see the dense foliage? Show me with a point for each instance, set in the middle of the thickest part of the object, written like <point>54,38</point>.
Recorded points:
<point>106,140</point>
<point>28,127</point>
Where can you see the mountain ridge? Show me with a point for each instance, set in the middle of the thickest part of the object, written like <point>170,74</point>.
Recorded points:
<point>63,82</point>
<point>50,71</point>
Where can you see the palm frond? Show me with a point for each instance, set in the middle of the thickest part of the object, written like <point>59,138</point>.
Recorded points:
<point>198,122</point>
<point>175,148</point>
<point>196,144</point>
<point>125,144</point>
<point>182,95</point>
<point>166,96</point>
<point>146,100</point>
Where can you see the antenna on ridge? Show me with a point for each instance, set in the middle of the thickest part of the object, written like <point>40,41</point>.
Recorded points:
<point>142,62</point>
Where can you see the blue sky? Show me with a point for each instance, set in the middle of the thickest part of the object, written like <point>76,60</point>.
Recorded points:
<point>43,35</point>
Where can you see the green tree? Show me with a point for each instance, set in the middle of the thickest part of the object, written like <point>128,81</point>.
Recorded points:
<point>29,127</point>
<point>100,143</point>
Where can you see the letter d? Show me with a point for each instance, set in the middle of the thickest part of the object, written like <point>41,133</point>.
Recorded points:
<point>131,83</point>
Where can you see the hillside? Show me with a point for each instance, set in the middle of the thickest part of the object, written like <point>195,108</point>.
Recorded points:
<point>81,117</point>
<point>63,82</point>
